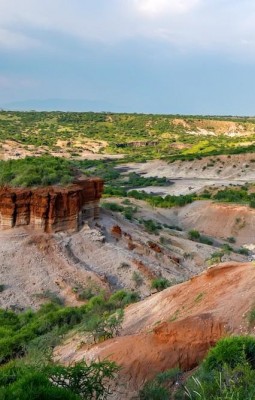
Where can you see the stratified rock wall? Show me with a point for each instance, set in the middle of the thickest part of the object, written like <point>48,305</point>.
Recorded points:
<point>51,209</point>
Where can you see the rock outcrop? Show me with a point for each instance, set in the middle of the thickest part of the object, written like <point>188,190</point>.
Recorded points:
<point>51,209</point>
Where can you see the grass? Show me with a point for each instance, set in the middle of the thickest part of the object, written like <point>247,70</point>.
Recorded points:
<point>251,317</point>
<point>199,297</point>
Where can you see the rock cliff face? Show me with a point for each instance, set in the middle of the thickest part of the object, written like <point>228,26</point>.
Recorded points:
<point>51,209</point>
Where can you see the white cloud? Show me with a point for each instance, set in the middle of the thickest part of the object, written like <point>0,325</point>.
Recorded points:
<point>214,25</point>
<point>159,7</point>
<point>15,40</point>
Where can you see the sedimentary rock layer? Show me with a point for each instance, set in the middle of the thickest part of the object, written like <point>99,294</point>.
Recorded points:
<point>51,209</point>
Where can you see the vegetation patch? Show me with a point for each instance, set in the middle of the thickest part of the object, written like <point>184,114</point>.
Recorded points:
<point>36,171</point>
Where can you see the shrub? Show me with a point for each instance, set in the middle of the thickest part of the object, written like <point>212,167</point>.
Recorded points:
<point>205,240</point>
<point>160,387</point>
<point>35,385</point>
<point>160,284</point>
<point>194,235</point>
<point>36,171</point>
<point>2,288</point>
<point>107,327</point>
<point>81,381</point>
<point>231,351</point>
<point>121,298</point>
<point>251,316</point>
<point>226,373</point>
<point>151,226</point>
<point>243,251</point>
<point>113,207</point>
<point>137,278</point>
<point>87,381</point>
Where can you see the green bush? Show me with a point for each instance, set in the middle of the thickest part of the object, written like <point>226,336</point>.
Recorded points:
<point>206,240</point>
<point>160,284</point>
<point>113,207</point>
<point>251,316</point>
<point>231,351</point>
<point>20,381</point>
<point>2,288</point>
<point>228,372</point>
<point>137,278</point>
<point>151,226</point>
<point>36,171</point>
<point>243,251</point>
<point>160,388</point>
<point>194,235</point>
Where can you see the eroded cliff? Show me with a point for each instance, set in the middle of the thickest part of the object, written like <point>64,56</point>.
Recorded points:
<point>51,209</point>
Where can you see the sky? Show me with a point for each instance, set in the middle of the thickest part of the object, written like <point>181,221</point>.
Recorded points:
<point>150,56</point>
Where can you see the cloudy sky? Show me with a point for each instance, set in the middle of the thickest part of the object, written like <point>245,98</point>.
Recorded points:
<point>161,56</point>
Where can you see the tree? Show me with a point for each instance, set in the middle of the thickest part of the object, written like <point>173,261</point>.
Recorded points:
<point>88,381</point>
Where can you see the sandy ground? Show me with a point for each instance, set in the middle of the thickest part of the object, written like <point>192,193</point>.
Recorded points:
<point>192,176</point>
<point>32,263</point>
<point>188,186</point>
<point>11,150</point>
<point>220,167</point>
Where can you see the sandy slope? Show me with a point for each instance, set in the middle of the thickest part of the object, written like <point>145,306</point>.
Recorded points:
<point>177,326</point>
<point>239,166</point>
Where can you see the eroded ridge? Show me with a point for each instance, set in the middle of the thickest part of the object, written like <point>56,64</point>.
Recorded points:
<point>53,208</point>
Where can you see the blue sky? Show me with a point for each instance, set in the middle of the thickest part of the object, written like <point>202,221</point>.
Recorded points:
<point>161,56</point>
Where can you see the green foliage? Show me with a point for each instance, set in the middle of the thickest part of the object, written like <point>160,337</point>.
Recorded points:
<point>160,284</point>
<point>107,326</point>
<point>34,385</point>
<point>36,171</point>
<point>135,180</point>
<point>27,326</point>
<point>122,298</point>
<point>151,226</point>
<point>228,372</point>
<point>89,382</point>
<point>236,195</point>
<point>205,240</point>
<point>163,202</point>
<point>155,134</point>
<point>231,351</point>
<point>128,212</point>
<point>228,384</point>
<point>161,386</point>
<point>243,251</point>
<point>21,381</point>
<point>216,257</point>
<point>86,293</point>
<point>2,287</point>
<point>251,317</point>
<point>52,297</point>
<point>18,331</point>
<point>194,235</point>
<point>199,297</point>
<point>113,207</point>
<point>137,278</point>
